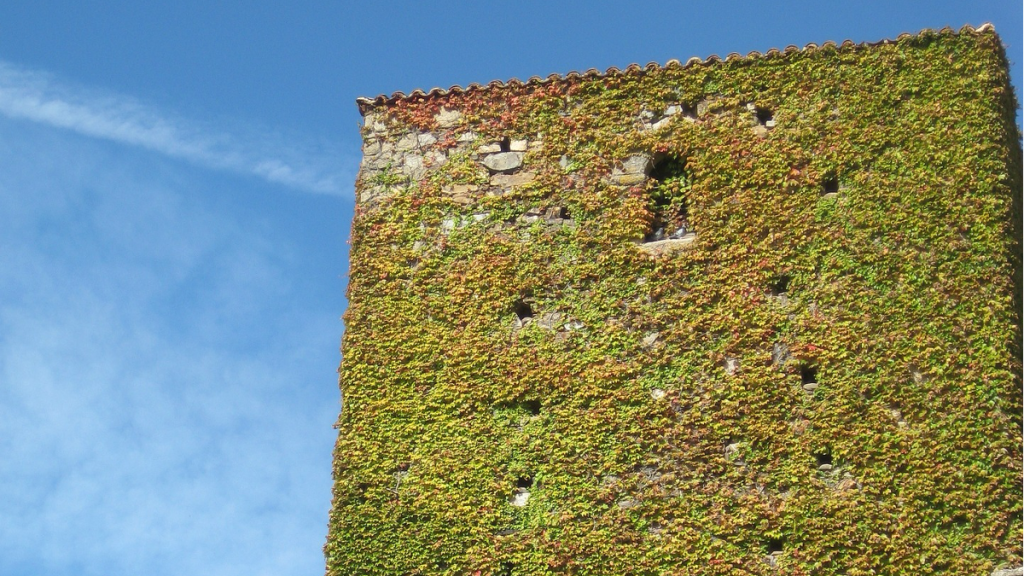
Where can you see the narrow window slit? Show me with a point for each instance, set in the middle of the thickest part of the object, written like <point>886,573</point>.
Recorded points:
<point>523,310</point>
<point>808,374</point>
<point>824,459</point>
<point>780,285</point>
<point>668,200</point>
<point>830,185</point>
<point>504,144</point>
<point>765,117</point>
<point>524,483</point>
<point>774,545</point>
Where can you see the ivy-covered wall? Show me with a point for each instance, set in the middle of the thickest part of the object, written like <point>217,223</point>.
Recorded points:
<point>758,315</point>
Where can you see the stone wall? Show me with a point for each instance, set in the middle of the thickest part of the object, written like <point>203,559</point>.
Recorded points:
<point>752,315</point>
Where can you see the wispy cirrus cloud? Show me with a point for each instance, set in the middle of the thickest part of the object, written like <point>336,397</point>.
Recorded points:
<point>167,370</point>
<point>40,97</point>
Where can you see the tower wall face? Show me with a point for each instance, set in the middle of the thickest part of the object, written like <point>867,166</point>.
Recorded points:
<point>755,316</point>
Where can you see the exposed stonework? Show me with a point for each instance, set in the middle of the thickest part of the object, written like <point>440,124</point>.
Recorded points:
<point>660,247</point>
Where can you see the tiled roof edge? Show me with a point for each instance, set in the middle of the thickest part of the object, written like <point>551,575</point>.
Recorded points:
<point>366,104</point>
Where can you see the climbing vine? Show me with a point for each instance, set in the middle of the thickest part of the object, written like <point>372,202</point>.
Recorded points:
<point>825,381</point>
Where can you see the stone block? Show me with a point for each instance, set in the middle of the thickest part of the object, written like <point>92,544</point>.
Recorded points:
<point>412,166</point>
<point>663,247</point>
<point>550,320</point>
<point>661,123</point>
<point>371,148</point>
<point>509,180</point>
<point>628,179</point>
<point>448,118</point>
<point>374,123</point>
<point>520,497</point>
<point>503,161</point>
<point>434,158</point>
<point>638,164</point>
<point>408,142</point>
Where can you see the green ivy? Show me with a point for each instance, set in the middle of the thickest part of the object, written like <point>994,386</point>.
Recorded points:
<point>826,381</point>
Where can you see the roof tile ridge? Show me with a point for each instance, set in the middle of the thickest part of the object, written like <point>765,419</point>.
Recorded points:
<point>366,103</point>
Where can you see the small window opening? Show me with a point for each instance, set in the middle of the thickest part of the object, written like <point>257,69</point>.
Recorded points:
<point>504,144</point>
<point>830,185</point>
<point>668,200</point>
<point>774,545</point>
<point>505,569</point>
<point>523,310</point>
<point>764,117</point>
<point>823,458</point>
<point>531,406</point>
<point>808,374</point>
<point>524,482</point>
<point>563,213</point>
<point>780,285</point>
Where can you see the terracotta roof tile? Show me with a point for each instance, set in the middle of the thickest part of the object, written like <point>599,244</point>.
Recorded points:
<point>383,99</point>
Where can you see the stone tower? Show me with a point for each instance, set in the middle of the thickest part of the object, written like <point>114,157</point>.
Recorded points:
<point>758,315</point>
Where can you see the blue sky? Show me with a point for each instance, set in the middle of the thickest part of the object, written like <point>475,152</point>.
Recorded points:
<point>175,199</point>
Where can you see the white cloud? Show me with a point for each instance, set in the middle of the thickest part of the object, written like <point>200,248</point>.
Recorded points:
<point>39,97</point>
<point>168,386</point>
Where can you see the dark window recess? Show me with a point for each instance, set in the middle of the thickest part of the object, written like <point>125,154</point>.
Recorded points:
<point>523,310</point>
<point>563,213</point>
<point>808,375</point>
<point>525,482</point>
<point>505,569</point>
<point>764,116</point>
<point>531,406</point>
<point>361,489</point>
<point>668,202</point>
<point>774,545</point>
<point>780,285</point>
<point>830,185</point>
<point>823,458</point>
<point>505,143</point>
